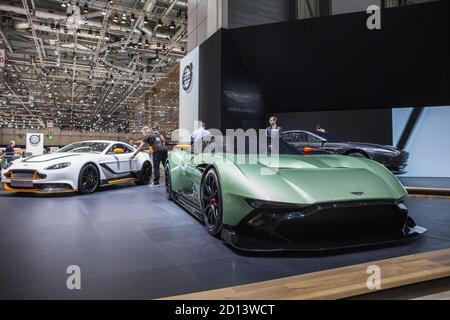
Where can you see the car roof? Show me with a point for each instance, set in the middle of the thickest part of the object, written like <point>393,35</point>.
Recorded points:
<point>293,131</point>
<point>99,141</point>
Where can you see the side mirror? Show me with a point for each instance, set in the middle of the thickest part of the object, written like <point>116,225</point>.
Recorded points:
<point>118,151</point>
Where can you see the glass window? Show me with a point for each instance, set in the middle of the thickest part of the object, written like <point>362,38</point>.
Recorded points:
<point>84,147</point>
<point>306,9</point>
<point>120,146</point>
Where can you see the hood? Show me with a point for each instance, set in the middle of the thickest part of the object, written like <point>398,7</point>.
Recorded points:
<point>50,157</point>
<point>322,179</point>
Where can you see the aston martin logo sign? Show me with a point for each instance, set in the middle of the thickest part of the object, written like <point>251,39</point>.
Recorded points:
<point>241,97</point>
<point>187,77</point>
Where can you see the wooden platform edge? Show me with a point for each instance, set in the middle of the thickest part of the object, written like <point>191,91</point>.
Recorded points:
<point>428,191</point>
<point>339,283</point>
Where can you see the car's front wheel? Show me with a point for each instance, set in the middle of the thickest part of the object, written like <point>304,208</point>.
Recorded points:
<point>89,179</point>
<point>145,175</point>
<point>211,196</point>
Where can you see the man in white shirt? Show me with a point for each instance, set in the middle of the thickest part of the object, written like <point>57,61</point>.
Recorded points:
<point>200,133</point>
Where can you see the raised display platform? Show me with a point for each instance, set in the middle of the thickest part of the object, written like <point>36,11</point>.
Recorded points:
<point>427,186</point>
<point>338,283</point>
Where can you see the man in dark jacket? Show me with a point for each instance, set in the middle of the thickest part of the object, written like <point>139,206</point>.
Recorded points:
<point>8,154</point>
<point>273,128</point>
<point>156,142</point>
<point>273,131</point>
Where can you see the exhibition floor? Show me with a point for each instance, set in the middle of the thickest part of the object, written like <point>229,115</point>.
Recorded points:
<point>131,243</point>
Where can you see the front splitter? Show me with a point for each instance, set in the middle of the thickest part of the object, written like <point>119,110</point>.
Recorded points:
<point>253,244</point>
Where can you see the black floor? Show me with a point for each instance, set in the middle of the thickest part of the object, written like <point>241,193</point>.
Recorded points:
<point>131,243</point>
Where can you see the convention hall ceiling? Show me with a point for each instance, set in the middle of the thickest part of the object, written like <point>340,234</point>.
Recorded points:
<point>82,65</point>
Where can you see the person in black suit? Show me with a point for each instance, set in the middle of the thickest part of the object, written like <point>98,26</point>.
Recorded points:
<point>273,131</point>
<point>273,128</point>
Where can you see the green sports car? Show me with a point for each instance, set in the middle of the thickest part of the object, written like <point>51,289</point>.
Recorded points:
<point>303,201</point>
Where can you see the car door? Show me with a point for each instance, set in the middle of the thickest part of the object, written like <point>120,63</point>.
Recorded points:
<point>298,139</point>
<point>180,159</point>
<point>314,142</point>
<point>125,164</point>
<point>118,165</point>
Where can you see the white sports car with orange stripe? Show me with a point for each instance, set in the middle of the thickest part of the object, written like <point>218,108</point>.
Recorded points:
<point>82,166</point>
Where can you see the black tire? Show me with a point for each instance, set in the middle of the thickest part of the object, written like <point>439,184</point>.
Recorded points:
<point>211,199</point>
<point>168,182</point>
<point>145,175</point>
<point>357,154</point>
<point>89,179</point>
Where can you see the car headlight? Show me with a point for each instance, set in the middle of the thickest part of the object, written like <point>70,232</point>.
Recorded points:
<point>58,166</point>
<point>261,204</point>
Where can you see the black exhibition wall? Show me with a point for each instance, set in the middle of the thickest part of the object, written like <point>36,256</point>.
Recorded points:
<point>328,63</point>
<point>372,126</point>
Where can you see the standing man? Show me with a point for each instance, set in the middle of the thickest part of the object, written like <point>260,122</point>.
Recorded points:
<point>159,153</point>
<point>273,128</point>
<point>200,133</point>
<point>8,154</point>
<point>273,131</point>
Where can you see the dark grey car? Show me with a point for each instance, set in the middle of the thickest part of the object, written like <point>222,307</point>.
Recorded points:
<point>393,159</point>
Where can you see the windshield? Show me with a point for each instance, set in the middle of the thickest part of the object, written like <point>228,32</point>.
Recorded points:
<point>327,136</point>
<point>249,146</point>
<point>84,147</point>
